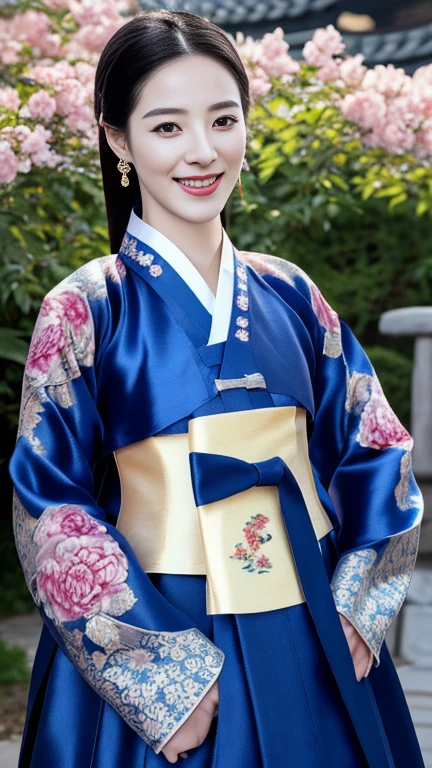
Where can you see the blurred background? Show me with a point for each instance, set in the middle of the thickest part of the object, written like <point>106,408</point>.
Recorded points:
<point>339,182</point>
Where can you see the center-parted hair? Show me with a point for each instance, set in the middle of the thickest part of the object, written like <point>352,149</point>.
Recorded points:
<point>132,54</point>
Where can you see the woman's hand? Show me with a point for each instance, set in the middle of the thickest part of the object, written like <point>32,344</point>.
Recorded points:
<point>195,729</point>
<point>361,654</point>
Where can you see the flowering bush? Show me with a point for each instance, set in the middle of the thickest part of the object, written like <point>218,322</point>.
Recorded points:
<point>363,132</point>
<point>329,138</point>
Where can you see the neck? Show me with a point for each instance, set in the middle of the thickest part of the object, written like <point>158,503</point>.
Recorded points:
<point>201,242</point>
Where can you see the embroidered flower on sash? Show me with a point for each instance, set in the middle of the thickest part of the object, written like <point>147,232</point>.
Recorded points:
<point>255,536</point>
<point>80,568</point>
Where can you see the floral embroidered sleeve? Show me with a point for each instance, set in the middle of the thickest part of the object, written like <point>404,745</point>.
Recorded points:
<point>132,646</point>
<point>361,455</point>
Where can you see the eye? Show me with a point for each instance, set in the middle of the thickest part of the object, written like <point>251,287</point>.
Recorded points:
<point>160,128</point>
<point>226,117</point>
<point>163,125</point>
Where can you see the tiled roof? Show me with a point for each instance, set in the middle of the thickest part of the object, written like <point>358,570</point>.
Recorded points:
<point>411,46</point>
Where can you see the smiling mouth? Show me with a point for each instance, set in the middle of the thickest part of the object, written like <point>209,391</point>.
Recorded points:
<point>198,182</point>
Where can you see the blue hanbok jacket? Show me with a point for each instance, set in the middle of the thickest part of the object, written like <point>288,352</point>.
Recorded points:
<point>120,354</point>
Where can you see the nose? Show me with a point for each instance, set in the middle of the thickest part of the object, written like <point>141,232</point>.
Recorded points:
<point>201,149</point>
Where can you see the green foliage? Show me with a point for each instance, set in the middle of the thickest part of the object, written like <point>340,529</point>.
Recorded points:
<point>15,597</point>
<point>357,220</point>
<point>50,224</point>
<point>13,665</point>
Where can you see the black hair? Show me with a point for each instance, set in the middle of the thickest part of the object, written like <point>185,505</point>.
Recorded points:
<point>131,55</point>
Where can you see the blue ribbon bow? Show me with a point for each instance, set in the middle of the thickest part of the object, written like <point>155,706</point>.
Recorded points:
<point>215,477</point>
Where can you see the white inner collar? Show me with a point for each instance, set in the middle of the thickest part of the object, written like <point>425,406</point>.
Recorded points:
<point>218,306</point>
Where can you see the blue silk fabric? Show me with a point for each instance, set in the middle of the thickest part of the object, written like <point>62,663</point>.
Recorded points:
<point>135,366</point>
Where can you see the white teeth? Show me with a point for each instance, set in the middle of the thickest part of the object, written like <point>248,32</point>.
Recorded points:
<point>191,183</point>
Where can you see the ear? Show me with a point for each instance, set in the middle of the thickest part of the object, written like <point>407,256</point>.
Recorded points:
<point>117,142</point>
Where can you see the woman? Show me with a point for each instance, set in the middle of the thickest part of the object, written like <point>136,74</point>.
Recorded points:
<point>214,504</point>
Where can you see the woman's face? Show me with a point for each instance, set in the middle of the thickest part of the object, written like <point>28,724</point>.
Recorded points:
<point>193,134</point>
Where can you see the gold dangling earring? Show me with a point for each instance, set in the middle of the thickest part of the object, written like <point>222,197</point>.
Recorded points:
<point>240,187</point>
<point>124,168</point>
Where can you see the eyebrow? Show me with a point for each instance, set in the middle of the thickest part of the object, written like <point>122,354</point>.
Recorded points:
<point>177,111</point>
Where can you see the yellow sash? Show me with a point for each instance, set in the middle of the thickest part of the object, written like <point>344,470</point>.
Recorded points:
<point>240,543</point>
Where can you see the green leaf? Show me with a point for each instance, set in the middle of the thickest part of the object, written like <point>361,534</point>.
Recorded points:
<point>289,146</point>
<point>398,199</point>
<point>11,347</point>
<point>395,189</point>
<point>422,207</point>
<point>18,234</point>
<point>338,181</point>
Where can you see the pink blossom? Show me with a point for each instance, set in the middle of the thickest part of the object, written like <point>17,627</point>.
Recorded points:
<point>379,425</point>
<point>70,97</point>
<point>9,98</point>
<point>81,118</point>
<point>90,12</point>
<point>423,75</point>
<point>324,45</point>
<point>330,71</point>
<point>85,72</point>
<point>274,58</point>
<point>352,71</point>
<point>259,522</point>
<point>250,50</point>
<point>8,163</point>
<point>327,317</point>
<point>313,55</point>
<point>365,108</point>
<point>41,105</point>
<point>10,52</point>
<point>392,137</point>
<point>36,141</point>
<point>57,5</point>
<point>21,132</point>
<point>31,27</point>
<point>78,575</point>
<point>240,552</point>
<point>24,165</point>
<point>252,538</point>
<point>262,562</point>
<point>259,83</point>
<point>329,40</point>
<point>424,141</point>
<point>94,38</point>
<point>54,75</point>
<point>386,80</point>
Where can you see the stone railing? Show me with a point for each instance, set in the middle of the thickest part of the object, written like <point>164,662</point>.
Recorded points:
<point>411,636</point>
<point>417,322</point>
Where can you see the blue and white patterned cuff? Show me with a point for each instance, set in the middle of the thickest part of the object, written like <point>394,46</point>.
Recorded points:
<point>370,585</point>
<point>154,680</point>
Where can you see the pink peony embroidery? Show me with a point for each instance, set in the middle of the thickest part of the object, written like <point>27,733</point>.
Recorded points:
<point>49,341</point>
<point>68,520</point>
<point>67,304</point>
<point>80,567</point>
<point>254,541</point>
<point>45,349</point>
<point>327,317</point>
<point>379,425</point>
